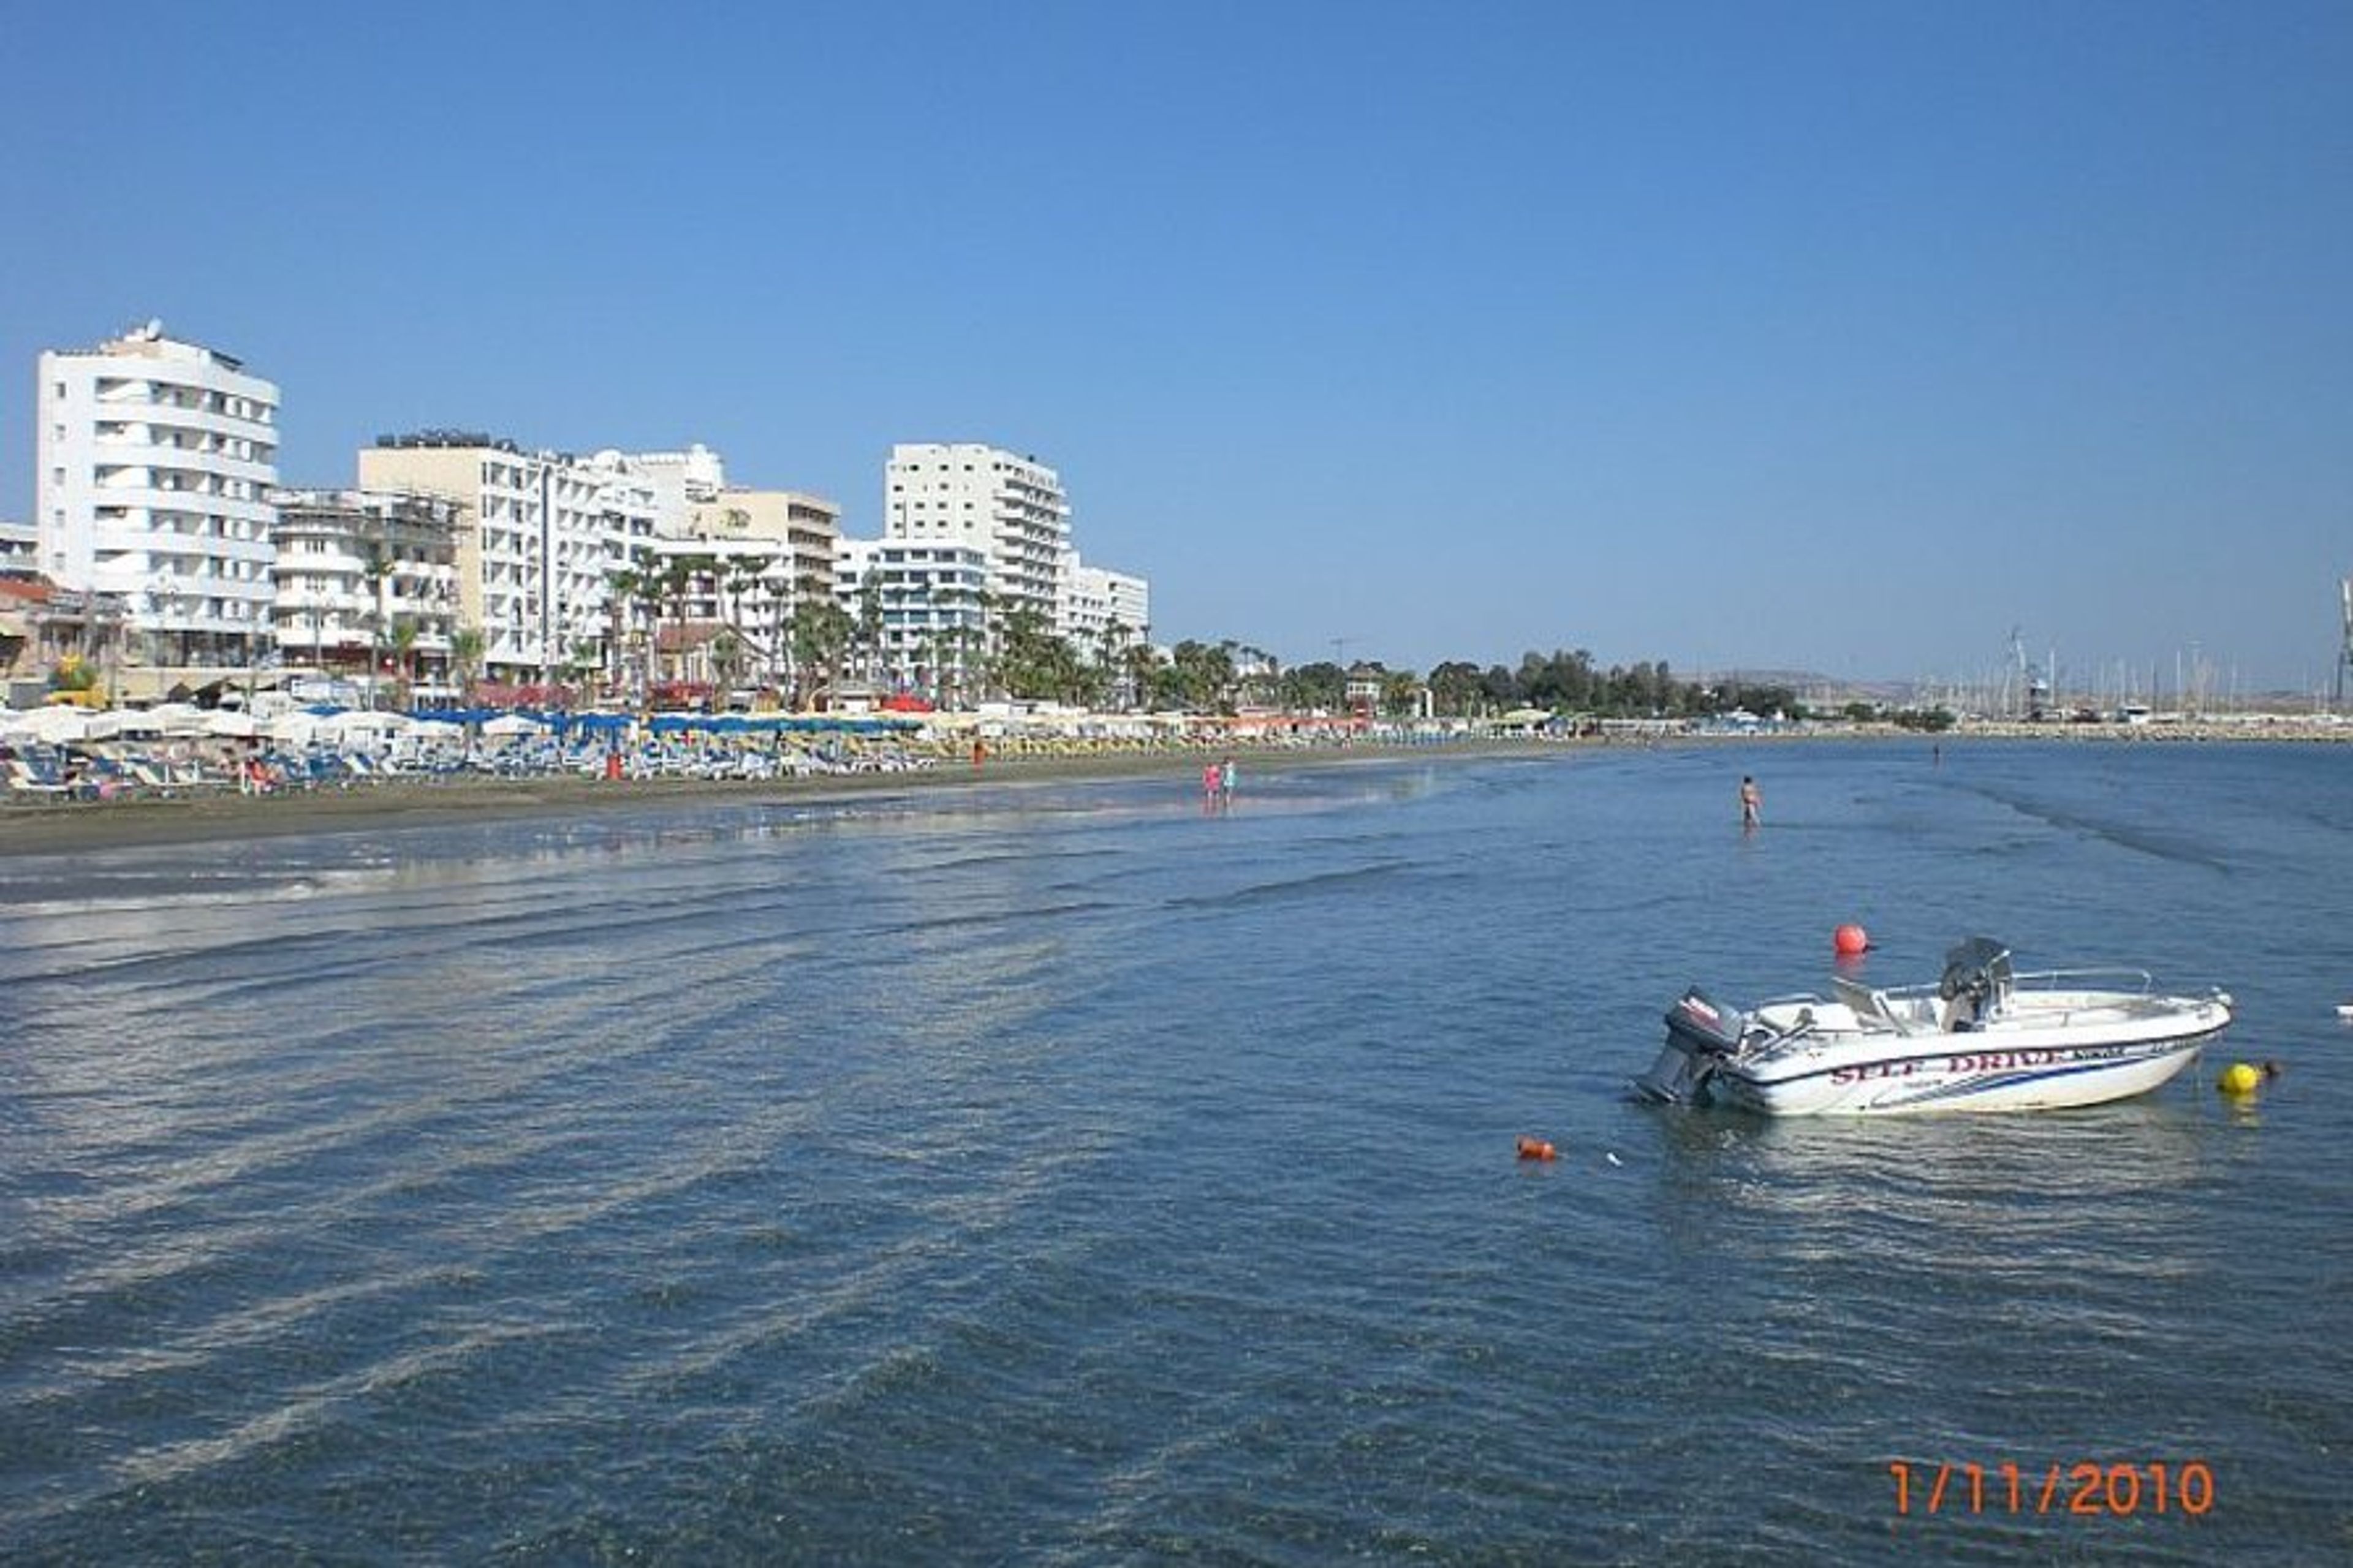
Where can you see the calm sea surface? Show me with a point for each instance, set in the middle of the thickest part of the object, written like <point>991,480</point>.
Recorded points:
<point>1058,1175</point>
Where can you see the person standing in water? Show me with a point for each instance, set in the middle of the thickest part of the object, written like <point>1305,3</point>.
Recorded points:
<point>1752,802</point>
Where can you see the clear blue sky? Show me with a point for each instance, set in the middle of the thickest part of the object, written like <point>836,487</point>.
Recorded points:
<point>1841,337</point>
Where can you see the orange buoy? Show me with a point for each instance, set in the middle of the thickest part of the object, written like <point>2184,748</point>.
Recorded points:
<point>1849,940</point>
<point>1537,1149</point>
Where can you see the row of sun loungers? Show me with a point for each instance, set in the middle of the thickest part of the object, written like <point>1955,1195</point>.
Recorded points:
<point>35,775</point>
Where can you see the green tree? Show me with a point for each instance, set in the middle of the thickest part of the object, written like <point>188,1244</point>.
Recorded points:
<point>376,567</point>
<point>1321,686</point>
<point>821,633</point>
<point>727,658</point>
<point>1401,693</point>
<point>869,628</point>
<point>1456,691</point>
<point>1037,665</point>
<point>467,646</point>
<point>1145,671</point>
<point>405,631</point>
<point>1204,677</point>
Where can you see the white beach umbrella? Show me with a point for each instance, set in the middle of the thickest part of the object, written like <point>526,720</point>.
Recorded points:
<point>177,719</point>
<point>360,724</point>
<point>294,728</point>
<point>232,724</point>
<point>508,725</point>
<point>55,725</point>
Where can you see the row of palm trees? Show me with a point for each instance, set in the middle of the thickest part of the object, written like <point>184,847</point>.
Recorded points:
<point>808,647</point>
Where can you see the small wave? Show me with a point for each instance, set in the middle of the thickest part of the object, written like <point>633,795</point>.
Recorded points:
<point>1314,885</point>
<point>2123,836</point>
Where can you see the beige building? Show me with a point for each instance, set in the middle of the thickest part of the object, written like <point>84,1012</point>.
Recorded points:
<point>542,536</point>
<point>751,559</point>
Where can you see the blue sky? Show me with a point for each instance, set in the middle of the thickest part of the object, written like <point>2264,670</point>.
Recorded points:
<point>1836,337</point>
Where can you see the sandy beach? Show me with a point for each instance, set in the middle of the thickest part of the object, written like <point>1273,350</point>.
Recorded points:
<point>65,827</point>
<point>224,815</point>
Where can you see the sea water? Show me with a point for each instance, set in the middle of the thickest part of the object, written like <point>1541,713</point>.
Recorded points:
<point>1061,1173</point>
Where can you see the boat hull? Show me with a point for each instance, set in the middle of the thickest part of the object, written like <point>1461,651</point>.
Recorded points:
<point>1876,1074</point>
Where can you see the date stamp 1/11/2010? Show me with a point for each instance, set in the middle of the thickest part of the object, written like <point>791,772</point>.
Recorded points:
<point>2083,1488</point>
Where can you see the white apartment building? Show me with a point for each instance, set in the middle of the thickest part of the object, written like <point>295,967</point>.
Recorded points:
<point>919,607</point>
<point>1012,509</point>
<point>368,578</point>
<point>547,533</point>
<point>681,481</point>
<point>156,461</point>
<point>1102,611</point>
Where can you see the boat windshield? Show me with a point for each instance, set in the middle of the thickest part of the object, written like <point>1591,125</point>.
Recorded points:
<point>1978,968</point>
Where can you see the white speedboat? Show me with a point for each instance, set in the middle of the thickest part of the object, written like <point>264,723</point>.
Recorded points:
<point>1982,1037</point>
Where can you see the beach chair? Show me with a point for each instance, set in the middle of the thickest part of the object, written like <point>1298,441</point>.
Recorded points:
<point>23,784</point>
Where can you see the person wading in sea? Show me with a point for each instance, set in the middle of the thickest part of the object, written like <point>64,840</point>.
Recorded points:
<point>1752,802</point>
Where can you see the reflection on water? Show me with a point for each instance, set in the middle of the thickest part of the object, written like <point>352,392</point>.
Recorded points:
<point>1058,1172</point>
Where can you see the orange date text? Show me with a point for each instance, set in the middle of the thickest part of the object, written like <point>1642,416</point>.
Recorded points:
<point>2083,1488</point>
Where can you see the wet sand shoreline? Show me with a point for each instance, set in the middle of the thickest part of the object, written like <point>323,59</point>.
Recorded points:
<point>225,816</point>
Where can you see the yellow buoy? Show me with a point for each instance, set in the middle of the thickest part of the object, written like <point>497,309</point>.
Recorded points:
<point>2239,1079</point>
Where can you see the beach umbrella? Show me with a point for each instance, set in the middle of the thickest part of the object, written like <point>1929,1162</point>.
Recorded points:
<point>299,727</point>
<point>360,723</point>
<point>177,719</point>
<point>507,726</point>
<point>232,723</point>
<point>56,726</point>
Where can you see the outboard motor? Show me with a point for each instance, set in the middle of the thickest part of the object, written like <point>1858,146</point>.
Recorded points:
<point>1700,1034</point>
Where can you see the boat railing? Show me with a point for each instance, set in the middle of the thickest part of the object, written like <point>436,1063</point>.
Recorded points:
<point>2048,980</point>
<point>2073,979</point>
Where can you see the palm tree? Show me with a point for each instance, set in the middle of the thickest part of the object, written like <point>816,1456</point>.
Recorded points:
<point>869,628</point>
<point>466,645</point>
<point>375,565</point>
<point>404,654</point>
<point>1108,644</point>
<point>676,576</point>
<point>624,593</point>
<point>1142,669</point>
<point>737,580</point>
<point>821,631</point>
<point>726,665</point>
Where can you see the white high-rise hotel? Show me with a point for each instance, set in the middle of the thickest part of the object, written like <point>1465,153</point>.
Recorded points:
<point>1010,508</point>
<point>156,460</point>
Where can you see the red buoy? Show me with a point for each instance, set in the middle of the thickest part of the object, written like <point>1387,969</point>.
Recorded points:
<point>1849,941</point>
<point>1537,1149</point>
